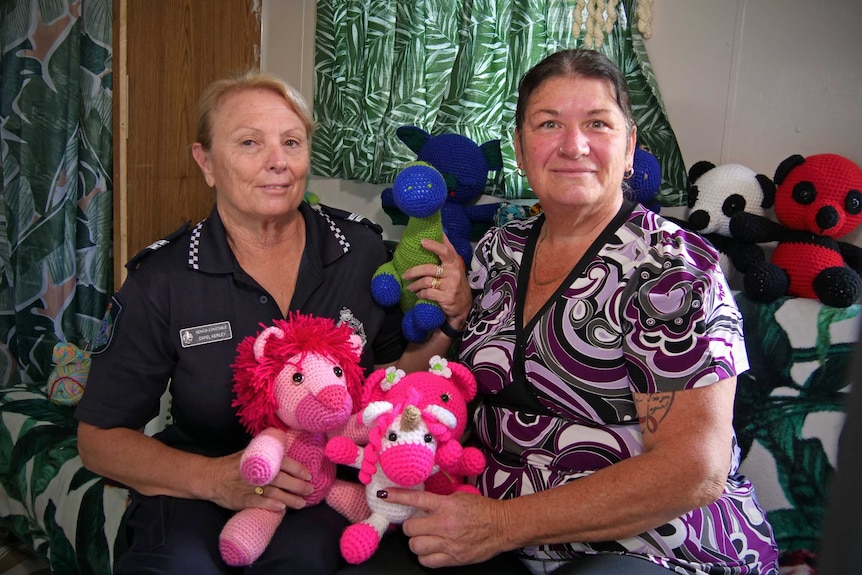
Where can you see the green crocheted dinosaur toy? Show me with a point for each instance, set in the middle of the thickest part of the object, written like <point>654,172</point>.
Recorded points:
<point>419,191</point>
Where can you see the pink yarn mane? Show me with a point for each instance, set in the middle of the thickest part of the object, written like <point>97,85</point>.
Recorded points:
<point>254,381</point>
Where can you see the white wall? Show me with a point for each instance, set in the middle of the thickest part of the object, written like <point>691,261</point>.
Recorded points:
<point>754,81</point>
<point>743,81</point>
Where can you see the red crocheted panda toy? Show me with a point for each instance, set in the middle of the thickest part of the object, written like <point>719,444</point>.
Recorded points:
<point>817,200</point>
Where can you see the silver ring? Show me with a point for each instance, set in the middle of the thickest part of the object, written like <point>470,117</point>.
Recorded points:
<point>439,273</point>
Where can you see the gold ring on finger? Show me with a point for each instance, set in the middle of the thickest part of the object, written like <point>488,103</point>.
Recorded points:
<point>439,273</point>
<point>258,490</point>
<point>435,283</point>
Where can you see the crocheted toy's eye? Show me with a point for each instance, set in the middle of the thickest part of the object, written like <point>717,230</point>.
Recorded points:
<point>337,371</point>
<point>392,436</point>
<point>733,204</point>
<point>298,377</point>
<point>445,398</point>
<point>804,193</point>
<point>692,196</point>
<point>853,202</point>
<point>429,438</point>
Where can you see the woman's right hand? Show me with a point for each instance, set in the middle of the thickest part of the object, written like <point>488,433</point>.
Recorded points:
<point>286,491</point>
<point>445,284</point>
<point>158,469</point>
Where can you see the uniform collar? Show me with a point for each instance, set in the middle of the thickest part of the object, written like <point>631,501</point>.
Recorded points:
<point>209,251</point>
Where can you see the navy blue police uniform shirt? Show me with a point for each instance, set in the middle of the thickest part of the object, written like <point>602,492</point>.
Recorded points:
<point>185,306</point>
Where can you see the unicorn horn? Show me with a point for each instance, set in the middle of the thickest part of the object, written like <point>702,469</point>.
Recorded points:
<point>410,418</point>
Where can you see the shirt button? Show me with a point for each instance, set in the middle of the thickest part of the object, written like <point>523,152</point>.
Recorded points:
<point>264,299</point>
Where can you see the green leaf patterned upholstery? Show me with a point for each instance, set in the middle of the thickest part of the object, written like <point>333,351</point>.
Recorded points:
<point>67,514</point>
<point>790,409</point>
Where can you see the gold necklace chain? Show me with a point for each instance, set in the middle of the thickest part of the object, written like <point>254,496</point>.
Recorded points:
<point>536,259</point>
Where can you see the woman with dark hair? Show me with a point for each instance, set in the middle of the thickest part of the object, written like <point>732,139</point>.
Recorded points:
<point>606,344</point>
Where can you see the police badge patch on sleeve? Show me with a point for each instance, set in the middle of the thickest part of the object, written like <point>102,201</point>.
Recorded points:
<point>106,330</point>
<point>345,316</point>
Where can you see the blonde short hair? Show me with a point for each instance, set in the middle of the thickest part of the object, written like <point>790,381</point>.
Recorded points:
<point>250,80</point>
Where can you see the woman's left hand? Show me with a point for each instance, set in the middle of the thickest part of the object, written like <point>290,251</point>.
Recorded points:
<point>446,283</point>
<point>457,529</point>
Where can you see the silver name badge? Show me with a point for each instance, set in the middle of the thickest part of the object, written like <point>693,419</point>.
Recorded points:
<point>203,334</point>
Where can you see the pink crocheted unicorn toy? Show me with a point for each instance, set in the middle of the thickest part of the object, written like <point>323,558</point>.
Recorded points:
<point>452,392</point>
<point>296,383</point>
<point>405,445</point>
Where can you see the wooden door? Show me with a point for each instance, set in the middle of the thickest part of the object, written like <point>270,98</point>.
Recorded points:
<point>166,52</point>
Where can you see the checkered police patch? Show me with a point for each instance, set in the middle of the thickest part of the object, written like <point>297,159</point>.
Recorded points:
<point>109,324</point>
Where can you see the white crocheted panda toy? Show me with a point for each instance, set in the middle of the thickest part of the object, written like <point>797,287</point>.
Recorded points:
<point>715,194</point>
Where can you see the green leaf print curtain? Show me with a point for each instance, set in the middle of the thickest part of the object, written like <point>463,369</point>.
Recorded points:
<point>454,66</point>
<point>55,170</point>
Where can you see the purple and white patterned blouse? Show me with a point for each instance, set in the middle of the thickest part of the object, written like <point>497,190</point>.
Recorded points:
<point>646,310</point>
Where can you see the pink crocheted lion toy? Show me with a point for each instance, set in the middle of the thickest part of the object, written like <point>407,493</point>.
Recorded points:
<point>410,439</point>
<point>296,383</point>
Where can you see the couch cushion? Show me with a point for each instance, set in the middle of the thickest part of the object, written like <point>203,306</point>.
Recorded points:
<point>790,409</point>
<point>47,498</point>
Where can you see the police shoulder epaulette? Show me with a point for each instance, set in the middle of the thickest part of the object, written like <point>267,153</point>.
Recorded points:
<point>352,217</point>
<point>133,263</point>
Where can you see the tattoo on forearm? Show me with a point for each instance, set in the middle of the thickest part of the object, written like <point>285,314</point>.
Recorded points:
<point>658,404</point>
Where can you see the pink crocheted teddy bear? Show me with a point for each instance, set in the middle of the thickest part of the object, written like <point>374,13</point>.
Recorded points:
<point>410,439</point>
<point>296,383</point>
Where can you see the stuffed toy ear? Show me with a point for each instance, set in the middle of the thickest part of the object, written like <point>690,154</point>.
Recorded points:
<point>356,342</point>
<point>374,410</point>
<point>464,379</point>
<point>786,166</point>
<point>442,415</point>
<point>698,169</point>
<point>372,389</point>
<point>413,137</point>
<point>260,342</point>
<point>768,187</point>
<point>493,153</point>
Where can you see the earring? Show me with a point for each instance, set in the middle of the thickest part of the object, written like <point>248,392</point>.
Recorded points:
<point>628,174</point>
<point>520,171</point>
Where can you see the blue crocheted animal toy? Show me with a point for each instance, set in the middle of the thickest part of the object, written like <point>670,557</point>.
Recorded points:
<point>645,182</point>
<point>419,191</point>
<point>464,165</point>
